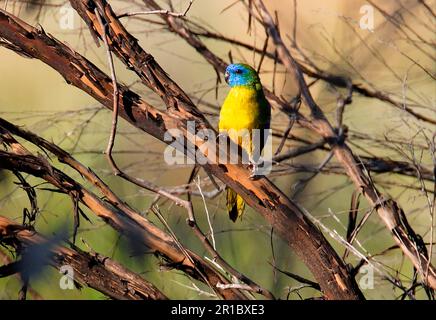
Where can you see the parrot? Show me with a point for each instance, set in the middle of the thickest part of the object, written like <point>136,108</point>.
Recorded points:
<point>245,108</point>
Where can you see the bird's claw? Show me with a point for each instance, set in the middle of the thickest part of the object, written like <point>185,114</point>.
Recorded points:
<point>253,168</point>
<point>220,135</point>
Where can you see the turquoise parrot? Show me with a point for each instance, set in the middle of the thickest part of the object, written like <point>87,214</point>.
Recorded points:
<point>244,109</point>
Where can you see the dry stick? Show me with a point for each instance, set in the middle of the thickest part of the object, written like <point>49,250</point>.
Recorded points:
<point>295,105</point>
<point>298,151</point>
<point>236,286</point>
<point>341,104</point>
<point>432,144</point>
<point>302,183</point>
<point>298,278</point>
<point>265,46</point>
<point>294,29</point>
<point>358,228</point>
<point>285,137</point>
<point>163,11</point>
<point>29,218</point>
<point>352,218</point>
<point>388,210</point>
<point>429,9</point>
<point>212,236</point>
<point>92,269</point>
<point>111,141</point>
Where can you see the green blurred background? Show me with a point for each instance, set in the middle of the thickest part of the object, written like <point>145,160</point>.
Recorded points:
<point>33,95</point>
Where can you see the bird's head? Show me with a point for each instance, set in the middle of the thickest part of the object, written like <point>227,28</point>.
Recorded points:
<point>239,74</point>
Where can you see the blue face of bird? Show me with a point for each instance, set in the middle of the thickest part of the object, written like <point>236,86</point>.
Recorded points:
<point>239,74</point>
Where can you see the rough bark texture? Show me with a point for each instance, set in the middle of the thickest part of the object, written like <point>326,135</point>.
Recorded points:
<point>91,269</point>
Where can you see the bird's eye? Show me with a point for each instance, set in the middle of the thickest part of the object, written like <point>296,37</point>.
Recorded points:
<point>239,71</point>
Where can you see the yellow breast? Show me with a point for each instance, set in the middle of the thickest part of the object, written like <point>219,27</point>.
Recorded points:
<point>240,110</point>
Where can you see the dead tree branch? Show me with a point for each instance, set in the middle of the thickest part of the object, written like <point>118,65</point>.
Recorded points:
<point>96,271</point>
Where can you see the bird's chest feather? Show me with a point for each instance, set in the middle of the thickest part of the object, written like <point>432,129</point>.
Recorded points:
<point>241,110</point>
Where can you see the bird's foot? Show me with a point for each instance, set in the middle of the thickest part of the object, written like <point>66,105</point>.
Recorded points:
<point>252,166</point>
<point>221,135</point>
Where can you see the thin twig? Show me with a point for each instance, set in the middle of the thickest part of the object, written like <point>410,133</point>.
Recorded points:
<point>111,141</point>
<point>163,11</point>
<point>212,235</point>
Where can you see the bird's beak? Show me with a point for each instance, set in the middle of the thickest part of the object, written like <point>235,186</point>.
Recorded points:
<point>226,76</point>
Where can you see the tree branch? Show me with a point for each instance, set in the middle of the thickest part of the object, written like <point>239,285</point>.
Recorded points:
<point>92,269</point>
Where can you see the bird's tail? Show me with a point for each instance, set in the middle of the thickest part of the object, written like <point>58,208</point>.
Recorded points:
<point>235,204</point>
